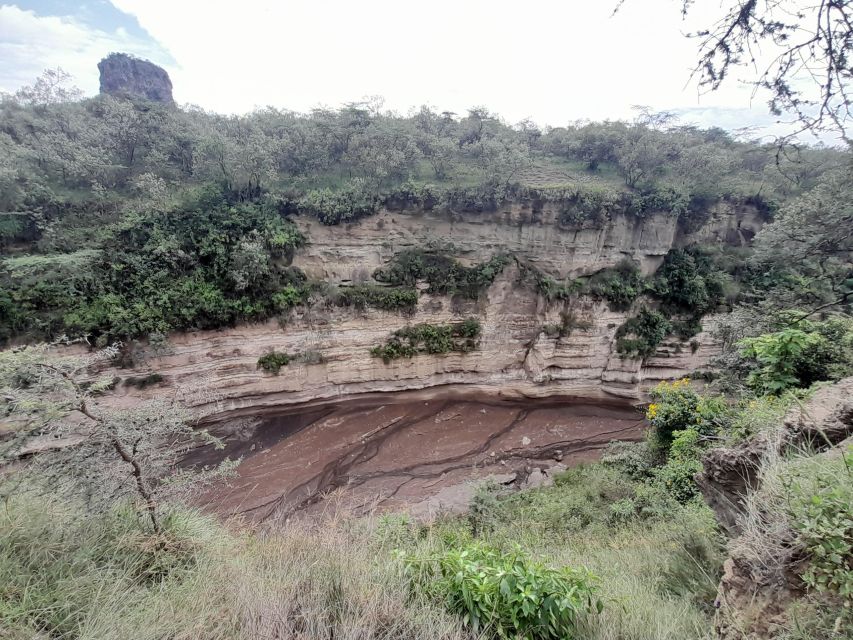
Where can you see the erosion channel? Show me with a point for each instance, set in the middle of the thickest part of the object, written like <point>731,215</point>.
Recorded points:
<point>422,452</point>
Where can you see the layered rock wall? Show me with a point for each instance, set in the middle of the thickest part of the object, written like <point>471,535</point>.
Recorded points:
<point>216,371</point>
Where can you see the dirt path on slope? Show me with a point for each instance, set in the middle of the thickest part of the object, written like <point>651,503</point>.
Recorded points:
<point>404,453</point>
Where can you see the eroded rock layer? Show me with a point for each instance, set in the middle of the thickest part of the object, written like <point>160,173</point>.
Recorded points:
<point>216,372</point>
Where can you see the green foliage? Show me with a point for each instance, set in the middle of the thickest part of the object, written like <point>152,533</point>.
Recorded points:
<point>676,475</point>
<point>569,322</point>
<point>620,286</point>
<point>677,407</point>
<point>552,290</point>
<point>388,298</point>
<point>356,200</point>
<point>430,338</point>
<point>664,199</point>
<point>822,515</point>
<point>640,335</point>
<point>799,355</point>
<point>444,274</point>
<point>204,263</point>
<point>688,281</point>
<point>506,594</point>
<point>273,361</point>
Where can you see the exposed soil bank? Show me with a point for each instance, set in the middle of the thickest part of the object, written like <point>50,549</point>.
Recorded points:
<point>396,451</point>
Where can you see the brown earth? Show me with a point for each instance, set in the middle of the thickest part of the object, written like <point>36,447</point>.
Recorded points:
<point>404,451</point>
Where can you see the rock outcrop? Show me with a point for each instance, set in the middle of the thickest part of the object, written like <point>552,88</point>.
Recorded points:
<point>126,76</point>
<point>755,594</point>
<point>216,371</point>
<point>730,474</point>
<point>353,251</point>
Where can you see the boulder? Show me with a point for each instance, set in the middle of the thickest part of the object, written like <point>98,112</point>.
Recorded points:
<point>129,77</point>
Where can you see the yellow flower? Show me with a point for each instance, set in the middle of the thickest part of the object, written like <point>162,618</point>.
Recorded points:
<point>652,411</point>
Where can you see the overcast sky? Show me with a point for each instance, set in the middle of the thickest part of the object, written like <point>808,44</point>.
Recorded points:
<point>553,62</point>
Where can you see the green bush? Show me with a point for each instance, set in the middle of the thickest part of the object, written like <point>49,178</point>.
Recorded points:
<point>356,200</point>
<point>688,281</point>
<point>507,595</point>
<point>205,262</point>
<point>676,406</point>
<point>799,356</point>
<point>620,286</point>
<point>273,362</point>
<point>822,514</point>
<point>551,289</point>
<point>444,274</point>
<point>676,475</point>
<point>430,338</point>
<point>640,335</point>
<point>635,459</point>
<point>289,297</point>
<point>388,298</point>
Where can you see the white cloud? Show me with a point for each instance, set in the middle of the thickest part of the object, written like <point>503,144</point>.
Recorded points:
<point>30,43</point>
<point>552,61</point>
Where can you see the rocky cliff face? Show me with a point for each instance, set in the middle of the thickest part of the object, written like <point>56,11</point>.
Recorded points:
<point>352,252</point>
<point>126,76</point>
<point>216,371</point>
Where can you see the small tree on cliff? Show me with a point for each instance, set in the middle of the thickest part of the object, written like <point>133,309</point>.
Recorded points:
<point>59,441</point>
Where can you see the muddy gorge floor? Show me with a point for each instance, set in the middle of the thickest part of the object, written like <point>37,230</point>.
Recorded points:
<point>402,452</point>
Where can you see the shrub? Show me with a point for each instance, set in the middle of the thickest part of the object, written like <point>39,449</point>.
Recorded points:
<point>676,406</point>
<point>688,281</point>
<point>640,335</point>
<point>620,286</point>
<point>822,515</point>
<point>507,595</point>
<point>430,338</point>
<point>444,274</point>
<point>634,459</point>
<point>288,297</point>
<point>799,356</point>
<point>569,322</point>
<point>273,362</point>
<point>552,290</point>
<point>356,200</point>
<point>683,463</point>
<point>388,298</point>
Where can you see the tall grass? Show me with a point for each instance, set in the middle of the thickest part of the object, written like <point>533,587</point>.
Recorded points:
<point>71,577</point>
<point>63,577</point>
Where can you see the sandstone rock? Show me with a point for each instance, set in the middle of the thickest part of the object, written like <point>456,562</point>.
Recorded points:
<point>215,372</point>
<point>126,76</point>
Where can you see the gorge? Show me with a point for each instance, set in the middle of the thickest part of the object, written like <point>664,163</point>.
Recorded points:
<point>515,369</point>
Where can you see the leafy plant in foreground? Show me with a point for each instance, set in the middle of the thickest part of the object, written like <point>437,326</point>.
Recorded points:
<point>506,594</point>
<point>823,520</point>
